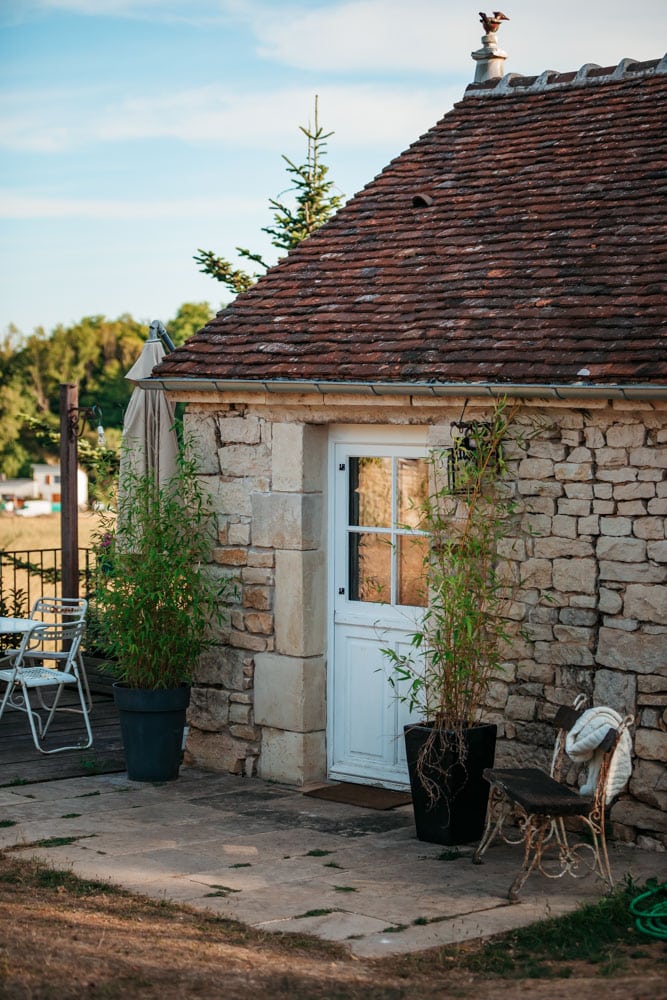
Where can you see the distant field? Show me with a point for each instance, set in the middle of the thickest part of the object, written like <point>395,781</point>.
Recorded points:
<point>40,532</point>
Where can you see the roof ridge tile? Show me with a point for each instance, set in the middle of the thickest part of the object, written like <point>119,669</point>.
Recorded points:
<point>589,73</point>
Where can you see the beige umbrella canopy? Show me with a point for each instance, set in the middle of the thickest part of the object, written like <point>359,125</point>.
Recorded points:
<point>149,438</point>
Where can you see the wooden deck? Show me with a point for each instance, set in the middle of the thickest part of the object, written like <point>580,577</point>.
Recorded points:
<point>21,762</point>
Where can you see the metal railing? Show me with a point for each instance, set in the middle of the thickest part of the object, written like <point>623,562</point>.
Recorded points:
<point>26,574</point>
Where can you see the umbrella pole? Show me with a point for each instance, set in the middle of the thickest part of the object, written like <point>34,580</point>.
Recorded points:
<point>69,511</point>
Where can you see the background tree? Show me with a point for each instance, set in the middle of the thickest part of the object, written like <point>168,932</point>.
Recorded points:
<point>314,203</point>
<point>95,352</point>
<point>191,316</point>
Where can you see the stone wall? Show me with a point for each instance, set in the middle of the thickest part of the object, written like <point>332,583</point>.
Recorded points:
<point>589,607</point>
<point>592,597</point>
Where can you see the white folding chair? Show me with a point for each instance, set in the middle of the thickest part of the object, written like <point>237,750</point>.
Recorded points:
<point>58,644</point>
<point>61,610</point>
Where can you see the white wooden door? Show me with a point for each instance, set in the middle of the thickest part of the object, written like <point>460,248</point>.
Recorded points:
<point>377,584</point>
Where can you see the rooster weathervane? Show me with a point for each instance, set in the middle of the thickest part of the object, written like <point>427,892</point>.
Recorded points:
<point>492,23</point>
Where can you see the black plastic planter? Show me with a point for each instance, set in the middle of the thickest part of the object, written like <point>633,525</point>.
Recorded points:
<point>152,725</point>
<point>458,815</point>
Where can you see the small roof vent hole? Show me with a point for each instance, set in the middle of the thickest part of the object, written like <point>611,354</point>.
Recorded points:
<point>421,200</point>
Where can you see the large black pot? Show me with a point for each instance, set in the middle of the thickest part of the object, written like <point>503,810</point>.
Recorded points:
<point>152,725</point>
<point>457,816</point>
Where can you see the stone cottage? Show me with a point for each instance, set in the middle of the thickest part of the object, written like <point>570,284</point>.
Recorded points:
<point>517,248</point>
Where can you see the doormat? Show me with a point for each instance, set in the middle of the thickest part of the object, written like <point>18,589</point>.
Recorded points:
<point>366,796</point>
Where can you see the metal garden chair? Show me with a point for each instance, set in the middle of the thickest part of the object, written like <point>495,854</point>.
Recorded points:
<point>59,610</point>
<point>540,804</point>
<point>28,671</point>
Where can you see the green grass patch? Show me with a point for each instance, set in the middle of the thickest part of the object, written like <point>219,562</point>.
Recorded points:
<point>315,913</point>
<point>345,888</point>
<point>4,823</point>
<point>55,842</point>
<point>32,872</point>
<point>70,815</point>
<point>316,853</point>
<point>600,933</point>
<point>242,864</point>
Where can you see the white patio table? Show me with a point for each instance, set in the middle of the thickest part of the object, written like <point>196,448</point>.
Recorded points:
<point>18,625</point>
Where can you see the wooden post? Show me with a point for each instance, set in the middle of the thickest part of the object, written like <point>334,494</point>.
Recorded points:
<point>69,510</point>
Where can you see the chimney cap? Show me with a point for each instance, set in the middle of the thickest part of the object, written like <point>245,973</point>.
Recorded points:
<point>490,58</point>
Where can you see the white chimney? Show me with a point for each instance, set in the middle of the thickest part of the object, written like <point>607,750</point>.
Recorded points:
<point>490,58</point>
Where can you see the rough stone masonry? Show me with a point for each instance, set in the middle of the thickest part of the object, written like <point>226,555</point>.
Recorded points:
<point>588,583</point>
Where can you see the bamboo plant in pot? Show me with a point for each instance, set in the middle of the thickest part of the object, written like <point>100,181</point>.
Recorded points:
<point>457,649</point>
<point>157,603</point>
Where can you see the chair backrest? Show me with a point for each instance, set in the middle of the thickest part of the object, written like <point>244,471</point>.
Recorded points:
<point>563,721</point>
<point>59,609</point>
<point>59,641</point>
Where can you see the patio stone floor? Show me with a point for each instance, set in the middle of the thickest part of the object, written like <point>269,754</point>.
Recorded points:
<point>268,856</point>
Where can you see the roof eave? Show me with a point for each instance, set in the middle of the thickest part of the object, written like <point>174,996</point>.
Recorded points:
<point>534,390</point>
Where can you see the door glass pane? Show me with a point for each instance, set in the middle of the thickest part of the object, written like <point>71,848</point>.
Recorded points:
<point>370,567</point>
<point>412,490</point>
<point>412,551</point>
<point>370,492</point>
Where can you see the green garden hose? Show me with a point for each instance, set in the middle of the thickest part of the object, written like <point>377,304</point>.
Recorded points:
<point>650,910</point>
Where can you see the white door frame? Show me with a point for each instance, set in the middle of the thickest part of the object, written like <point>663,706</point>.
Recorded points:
<point>394,437</point>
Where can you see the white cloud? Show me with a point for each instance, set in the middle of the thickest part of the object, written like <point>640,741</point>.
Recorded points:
<point>15,205</point>
<point>366,35</point>
<point>361,117</point>
<point>437,37</point>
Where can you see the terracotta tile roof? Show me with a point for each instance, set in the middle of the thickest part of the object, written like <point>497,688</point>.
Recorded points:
<point>520,240</point>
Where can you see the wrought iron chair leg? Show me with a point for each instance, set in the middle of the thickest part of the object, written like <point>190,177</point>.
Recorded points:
<point>497,812</point>
<point>605,867</point>
<point>535,829</point>
<point>600,852</point>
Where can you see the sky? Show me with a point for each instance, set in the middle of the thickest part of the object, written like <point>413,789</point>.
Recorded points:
<point>133,132</point>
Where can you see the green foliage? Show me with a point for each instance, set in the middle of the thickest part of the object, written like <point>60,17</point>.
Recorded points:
<point>191,316</point>
<point>156,600</point>
<point>235,278</point>
<point>100,462</point>
<point>13,604</point>
<point>314,203</point>
<point>469,508</point>
<point>95,353</point>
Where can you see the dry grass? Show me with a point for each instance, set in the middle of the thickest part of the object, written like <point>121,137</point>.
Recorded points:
<point>69,938</point>
<point>43,532</point>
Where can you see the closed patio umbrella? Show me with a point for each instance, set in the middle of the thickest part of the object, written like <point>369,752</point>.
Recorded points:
<point>149,438</point>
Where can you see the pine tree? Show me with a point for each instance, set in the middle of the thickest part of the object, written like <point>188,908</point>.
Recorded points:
<point>314,203</point>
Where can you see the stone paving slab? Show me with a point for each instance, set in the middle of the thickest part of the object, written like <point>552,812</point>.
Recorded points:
<point>265,855</point>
